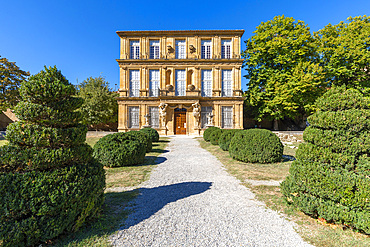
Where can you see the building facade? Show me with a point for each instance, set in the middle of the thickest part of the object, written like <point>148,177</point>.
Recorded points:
<point>180,82</point>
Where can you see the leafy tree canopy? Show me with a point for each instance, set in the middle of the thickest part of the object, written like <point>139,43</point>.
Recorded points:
<point>100,105</point>
<point>11,77</point>
<point>345,52</point>
<point>284,76</point>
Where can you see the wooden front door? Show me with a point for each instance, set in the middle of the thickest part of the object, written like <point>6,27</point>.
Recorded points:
<point>180,121</point>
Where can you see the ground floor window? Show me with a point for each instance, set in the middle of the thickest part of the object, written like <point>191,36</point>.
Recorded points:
<point>154,116</point>
<point>204,112</point>
<point>134,117</point>
<point>227,117</point>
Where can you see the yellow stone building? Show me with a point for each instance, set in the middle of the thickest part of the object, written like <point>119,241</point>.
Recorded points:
<point>180,82</point>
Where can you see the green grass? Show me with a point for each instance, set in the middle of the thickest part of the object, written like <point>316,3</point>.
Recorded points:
<point>312,230</point>
<point>114,212</point>
<point>92,140</point>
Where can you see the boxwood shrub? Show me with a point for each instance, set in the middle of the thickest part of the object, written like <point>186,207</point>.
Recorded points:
<point>119,149</point>
<point>214,136</point>
<point>143,138</point>
<point>152,133</point>
<point>49,181</point>
<point>225,138</point>
<point>256,146</point>
<point>207,133</point>
<point>330,178</point>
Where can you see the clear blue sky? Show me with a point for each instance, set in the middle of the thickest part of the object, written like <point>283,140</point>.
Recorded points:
<point>79,36</point>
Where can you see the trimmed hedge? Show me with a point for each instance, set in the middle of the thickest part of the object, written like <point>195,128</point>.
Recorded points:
<point>49,181</point>
<point>153,134</point>
<point>119,149</point>
<point>16,158</point>
<point>214,136</point>
<point>256,146</point>
<point>225,138</point>
<point>143,138</point>
<point>34,134</point>
<point>207,133</point>
<point>330,178</point>
<point>37,206</point>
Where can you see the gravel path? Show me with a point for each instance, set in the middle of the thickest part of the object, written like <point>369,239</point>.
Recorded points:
<point>190,200</point>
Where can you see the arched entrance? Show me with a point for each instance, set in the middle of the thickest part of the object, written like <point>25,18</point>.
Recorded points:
<point>180,121</point>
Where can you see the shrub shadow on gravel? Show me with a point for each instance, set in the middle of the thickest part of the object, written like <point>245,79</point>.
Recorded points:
<point>151,200</point>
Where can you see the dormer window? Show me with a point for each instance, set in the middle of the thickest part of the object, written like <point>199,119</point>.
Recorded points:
<point>154,49</point>
<point>135,49</point>
<point>226,48</point>
<point>206,49</point>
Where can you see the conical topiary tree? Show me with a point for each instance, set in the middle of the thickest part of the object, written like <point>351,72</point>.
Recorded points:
<point>331,176</point>
<point>49,182</point>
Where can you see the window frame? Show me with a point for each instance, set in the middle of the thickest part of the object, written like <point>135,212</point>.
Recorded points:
<point>228,82</point>
<point>132,118</point>
<point>183,46</point>
<point>134,83</point>
<point>207,82</point>
<point>154,116</point>
<point>180,87</point>
<point>206,49</point>
<point>134,49</point>
<point>226,51</point>
<point>227,123</point>
<point>204,111</point>
<point>154,49</point>
<point>154,83</point>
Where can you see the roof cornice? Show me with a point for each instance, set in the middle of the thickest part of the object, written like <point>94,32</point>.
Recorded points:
<point>235,32</point>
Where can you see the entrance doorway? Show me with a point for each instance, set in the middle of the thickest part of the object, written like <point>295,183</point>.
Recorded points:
<point>180,121</point>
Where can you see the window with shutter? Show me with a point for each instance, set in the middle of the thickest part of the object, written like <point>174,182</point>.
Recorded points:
<point>206,52</point>
<point>204,112</point>
<point>134,83</point>
<point>135,49</point>
<point>180,49</point>
<point>154,49</point>
<point>134,114</point>
<point>154,116</point>
<point>180,83</point>
<point>227,83</point>
<point>207,83</point>
<point>153,83</point>
<point>227,117</point>
<point>226,48</point>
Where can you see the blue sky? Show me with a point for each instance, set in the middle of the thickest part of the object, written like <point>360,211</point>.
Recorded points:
<point>79,36</point>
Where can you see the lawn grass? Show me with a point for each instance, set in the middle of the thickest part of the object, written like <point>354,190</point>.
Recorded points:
<point>114,211</point>
<point>312,230</point>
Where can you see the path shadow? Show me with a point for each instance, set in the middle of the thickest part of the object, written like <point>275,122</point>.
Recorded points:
<point>151,200</point>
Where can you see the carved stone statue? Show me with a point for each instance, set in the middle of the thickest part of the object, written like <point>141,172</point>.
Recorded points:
<point>210,119</point>
<point>147,120</point>
<point>196,114</point>
<point>162,113</point>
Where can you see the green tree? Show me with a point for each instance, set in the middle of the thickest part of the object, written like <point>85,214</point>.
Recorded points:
<point>11,77</point>
<point>282,67</point>
<point>345,52</point>
<point>100,105</point>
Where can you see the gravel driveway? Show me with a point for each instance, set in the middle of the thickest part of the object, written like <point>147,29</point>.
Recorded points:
<point>190,200</point>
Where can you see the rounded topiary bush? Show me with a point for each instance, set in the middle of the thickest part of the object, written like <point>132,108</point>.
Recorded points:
<point>330,178</point>
<point>207,133</point>
<point>214,136</point>
<point>152,133</point>
<point>256,146</point>
<point>225,138</point>
<point>119,149</point>
<point>49,181</point>
<point>143,138</point>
